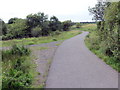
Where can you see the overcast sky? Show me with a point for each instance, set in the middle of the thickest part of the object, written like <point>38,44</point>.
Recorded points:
<point>75,10</point>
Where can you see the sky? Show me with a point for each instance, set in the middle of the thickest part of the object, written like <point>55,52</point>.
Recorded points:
<point>74,10</point>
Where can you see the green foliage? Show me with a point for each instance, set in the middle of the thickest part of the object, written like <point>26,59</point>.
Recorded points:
<point>78,25</point>
<point>12,20</point>
<point>18,28</point>
<point>45,29</point>
<point>86,27</point>
<point>36,31</point>
<point>17,68</point>
<point>55,24</point>
<point>34,20</point>
<point>7,37</point>
<point>95,45</point>
<point>46,39</point>
<point>3,27</point>
<point>66,25</point>
<point>34,25</point>
<point>57,32</point>
<point>20,50</point>
<point>108,33</point>
<point>40,20</point>
<point>98,10</point>
<point>16,50</point>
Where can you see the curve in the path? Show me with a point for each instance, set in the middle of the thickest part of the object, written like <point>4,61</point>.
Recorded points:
<point>74,66</point>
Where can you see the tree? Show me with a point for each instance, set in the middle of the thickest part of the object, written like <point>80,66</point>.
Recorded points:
<point>33,20</point>
<point>3,27</point>
<point>12,20</point>
<point>66,25</point>
<point>18,29</point>
<point>55,24</point>
<point>98,10</point>
<point>36,31</point>
<point>109,30</point>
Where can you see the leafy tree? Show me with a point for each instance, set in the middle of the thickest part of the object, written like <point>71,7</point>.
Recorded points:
<point>34,20</point>
<point>66,25</point>
<point>45,28</point>
<point>36,31</point>
<point>12,20</point>
<point>98,10</point>
<point>18,29</point>
<point>3,27</point>
<point>109,30</point>
<point>54,24</point>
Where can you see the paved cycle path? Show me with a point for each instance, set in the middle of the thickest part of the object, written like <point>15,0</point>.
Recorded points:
<point>75,66</point>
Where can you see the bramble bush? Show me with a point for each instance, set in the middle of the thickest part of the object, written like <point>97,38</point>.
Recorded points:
<point>16,66</point>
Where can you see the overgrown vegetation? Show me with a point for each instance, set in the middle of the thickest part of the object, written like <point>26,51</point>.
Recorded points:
<point>17,68</point>
<point>55,36</point>
<point>105,40</point>
<point>34,25</point>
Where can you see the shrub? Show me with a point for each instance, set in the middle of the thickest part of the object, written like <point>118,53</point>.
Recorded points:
<point>66,25</point>
<point>31,43</point>
<point>108,30</point>
<point>18,29</point>
<point>7,37</point>
<point>78,25</point>
<point>57,32</point>
<point>20,50</point>
<point>54,39</point>
<point>16,71</point>
<point>36,31</point>
<point>15,50</point>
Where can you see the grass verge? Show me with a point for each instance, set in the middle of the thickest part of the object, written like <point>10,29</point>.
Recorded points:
<point>30,41</point>
<point>18,69</point>
<point>93,43</point>
<point>85,27</point>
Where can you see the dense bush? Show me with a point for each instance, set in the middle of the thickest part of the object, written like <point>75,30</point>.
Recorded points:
<point>18,28</point>
<point>37,31</point>
<point>3,28</point>
<point>7,37</point>
<point>105,41</point>
<point>20,50</point>
<point>55,24</point>
<point>108,30</point>
<point>33,26</point>
<point>66,25</point>
<point>16,68</point>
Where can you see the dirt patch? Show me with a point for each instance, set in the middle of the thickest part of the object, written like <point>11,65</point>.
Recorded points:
<point>43,57</point>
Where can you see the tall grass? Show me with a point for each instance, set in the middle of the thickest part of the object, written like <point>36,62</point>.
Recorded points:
<point>85,27</point>
<point>17,68</point>
<point>94,44</point>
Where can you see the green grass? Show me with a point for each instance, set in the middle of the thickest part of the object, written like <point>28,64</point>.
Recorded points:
<point>58,44</point>
<point>43,48</point>
<point>18,69</point>
<point>85,27</point>
<point>30,41</point>
<point>93,43</point>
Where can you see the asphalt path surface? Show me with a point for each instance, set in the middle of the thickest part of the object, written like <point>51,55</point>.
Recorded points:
<point>75,66</point>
